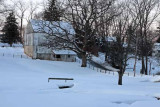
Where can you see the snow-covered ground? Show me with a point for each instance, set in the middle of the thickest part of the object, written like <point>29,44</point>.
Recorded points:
<point>24,83</point>
<point>7,45</point>
<point>155,64</point>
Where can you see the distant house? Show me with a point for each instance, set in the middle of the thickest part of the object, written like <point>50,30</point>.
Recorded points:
<point>34,38</point>
<point>112,39</point>
<point>156,48</point>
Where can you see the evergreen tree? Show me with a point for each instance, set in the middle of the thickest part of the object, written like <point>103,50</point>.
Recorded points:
<point>52,13</point>
<point>10,29</point>
<point>158,41</point>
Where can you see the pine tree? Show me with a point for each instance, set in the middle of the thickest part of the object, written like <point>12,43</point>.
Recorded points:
<point>52,13</point>
<point>10,29</point>
<point>158,41</point>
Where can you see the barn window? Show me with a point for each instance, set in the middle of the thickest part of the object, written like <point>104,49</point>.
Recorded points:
<point>58,56</point>
<point>69,56</point>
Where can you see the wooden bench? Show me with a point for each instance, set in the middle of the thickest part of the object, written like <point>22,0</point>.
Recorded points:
<point>63,86</point>
<point>60,79</point>
<point>158,98</point>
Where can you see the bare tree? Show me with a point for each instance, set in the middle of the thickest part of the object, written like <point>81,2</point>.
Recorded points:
<point>82,14</point>
<point>123,27</point>
<point>20,9</point>
<point>3,7</point>
<point>119,53</point>
<point>33,6</point>
<point>38,15</point>
<point>146,11</point>
<point>105,28</point>
<point>4,10</point>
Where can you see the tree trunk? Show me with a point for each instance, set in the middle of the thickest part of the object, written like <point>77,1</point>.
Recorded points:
<point>120,74</point>
<point>105,56</point>
<point>84,60</point>
<point>143,65</point>
<point>134,69</point>
<point>21,32</point>
<point>150,69</point>
<point>146,70</point>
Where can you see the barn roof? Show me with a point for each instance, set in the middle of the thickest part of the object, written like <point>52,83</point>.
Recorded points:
<point>40,26</point>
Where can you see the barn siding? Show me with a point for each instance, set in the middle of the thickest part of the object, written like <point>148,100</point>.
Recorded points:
<point>28,50</point>
<point>44,56</point>
<point>64,58</point>
<point>33,46</point>
<point>28,47</point>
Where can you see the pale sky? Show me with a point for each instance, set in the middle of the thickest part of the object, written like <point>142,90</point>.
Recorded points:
<point>10,2</point>
<point>154,25</point>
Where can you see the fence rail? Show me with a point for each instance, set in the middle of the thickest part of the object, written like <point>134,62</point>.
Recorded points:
<point>78,61</point>
<point>14,55</point>
<point>111,72</point>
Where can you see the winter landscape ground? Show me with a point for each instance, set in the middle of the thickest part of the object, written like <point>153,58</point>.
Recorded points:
<point>23,83</point>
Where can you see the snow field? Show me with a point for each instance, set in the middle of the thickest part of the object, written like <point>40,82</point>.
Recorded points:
<point>24,83</point>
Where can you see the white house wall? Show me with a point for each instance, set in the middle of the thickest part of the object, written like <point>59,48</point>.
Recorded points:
<point>39,42</point>
<point>40,50</point>
<point>28,47</point>
<point>64,57</point>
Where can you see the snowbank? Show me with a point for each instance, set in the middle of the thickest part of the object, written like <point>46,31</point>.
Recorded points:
<point>156,79</point>
<point>7,45</point>
<point>24,83</point>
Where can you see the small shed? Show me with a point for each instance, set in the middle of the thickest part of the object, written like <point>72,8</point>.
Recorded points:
<point>64,55</point>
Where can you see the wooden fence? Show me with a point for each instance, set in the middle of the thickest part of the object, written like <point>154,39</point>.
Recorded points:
<point>14,55</point>
<point>111,72</point>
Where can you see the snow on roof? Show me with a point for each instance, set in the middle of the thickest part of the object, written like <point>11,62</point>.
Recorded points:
<point>111,38</point>
<point>156,44</point>
<point>64,52</point>
<point>49,27</point>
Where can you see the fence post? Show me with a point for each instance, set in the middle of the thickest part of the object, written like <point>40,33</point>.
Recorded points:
<point>13,55</point>
<point>128,73</point>
<point>3,54</point>
<point>113,73</point>
<point>97,69</point>
<point>21,56</point>
<point>105,71</point>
